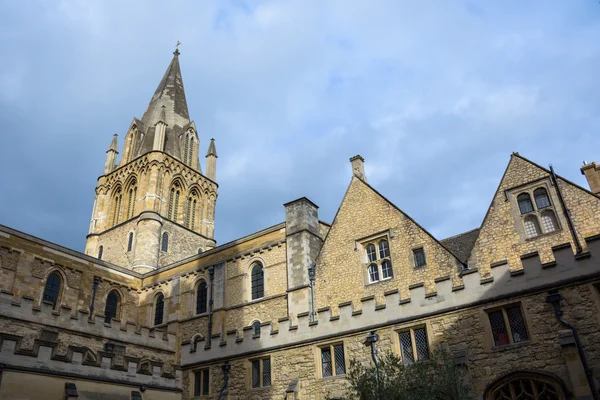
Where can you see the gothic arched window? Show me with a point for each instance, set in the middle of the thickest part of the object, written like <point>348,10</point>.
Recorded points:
<point>112,306</point>
<point>256,328</point>
<point>164,246</point>
<point>130,241</point>
<point>201,298</point>
<point>191,150</point>
<point>132,197</point>
<point>258,281</point>
<point>100,251</point>
<point>159,306</point>
<point>174,202</point>
<point>52,289</point>
<point>526,385</point>
<point>525,204</point>
<point>118,196</point>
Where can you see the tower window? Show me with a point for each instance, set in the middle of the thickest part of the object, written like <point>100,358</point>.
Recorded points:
<point>165,242</point>
<point>191,150</point>
<point>52,289</point>
<point>130,241</point>
<point>117,206</point>
<point>201,382</point>
<point>258,281</point>
<point>100,251</point>
<point>112,305</point>
<point>201,298</point>
<point>159,306</point>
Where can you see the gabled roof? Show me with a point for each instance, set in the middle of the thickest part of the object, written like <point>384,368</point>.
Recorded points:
<point>461,245</point>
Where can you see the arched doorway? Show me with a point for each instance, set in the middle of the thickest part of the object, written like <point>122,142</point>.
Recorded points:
<point>526,385</point>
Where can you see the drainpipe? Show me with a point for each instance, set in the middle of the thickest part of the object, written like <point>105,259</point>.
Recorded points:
<point>211,275</point>
<point>555,298</point>
<point>373,338</point>
<point>312,269</point>
<point>566,212</point>
<point>223,392</point>
<point>94,288</point>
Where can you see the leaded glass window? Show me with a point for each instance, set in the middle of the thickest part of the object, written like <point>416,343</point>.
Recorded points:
<point>333,360</point>
<point>159,306</point>
<point>532,228</point>
<point>201,298</point>
<point>414,345</point>
<point>541,198</point>
<point>508,325</point>
<point>52,289</point>
<point>258,281</point>
<point>549,223</point>
<point>525,205</point>
<point>261,372</point>
<point>112,306</point>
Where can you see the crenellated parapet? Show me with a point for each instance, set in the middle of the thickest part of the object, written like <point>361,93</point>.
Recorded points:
<point>79,322</point>
<point>349,317</point>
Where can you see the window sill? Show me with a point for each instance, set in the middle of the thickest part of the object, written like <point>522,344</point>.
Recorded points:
<point>510,346</point>
<point>556,232</point>
<point>379,281</point>
<point>334,377</point>
<point>421,266</point>
<point>256,389</point>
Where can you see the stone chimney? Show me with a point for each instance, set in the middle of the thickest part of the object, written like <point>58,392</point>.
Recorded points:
<point>358,167</point>
<point>592,173</point>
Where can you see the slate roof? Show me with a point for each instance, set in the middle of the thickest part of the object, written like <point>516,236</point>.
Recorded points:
<point>462,244</point>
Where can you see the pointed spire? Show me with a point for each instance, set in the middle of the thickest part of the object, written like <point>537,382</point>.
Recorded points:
<point>170,95</point>
<point>212,150</point>
<point>113,145</point>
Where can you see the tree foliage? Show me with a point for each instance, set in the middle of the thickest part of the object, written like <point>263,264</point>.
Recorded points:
<point>436,379</point>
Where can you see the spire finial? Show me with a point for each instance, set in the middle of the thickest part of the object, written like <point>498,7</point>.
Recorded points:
<point>176,52</point>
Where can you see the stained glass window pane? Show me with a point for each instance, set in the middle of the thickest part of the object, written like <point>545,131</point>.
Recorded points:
<point>373,273</point>
<point>498,328</point>
<point>517,324</point>
<point>371,255</point>
<point>384,250</point>
<point>112,303</point>
<point>258,283</point>
<point>52,289</point>
<point>326,362</point>
<point>541,198</point>
<point>256,373</point>
<point>419,255</point>
<point>548,222</point>
<point>421,344</point>
<point>201,298</point>
<point>158,309</point>
<point>266,372</point>
<point>525,204</point>
<point>340,362</point>
<point>406,349</point>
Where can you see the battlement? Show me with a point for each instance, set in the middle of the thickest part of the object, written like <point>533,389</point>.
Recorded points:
<point>476,289</point>
<point>82,362</point>
<point>79,321</point>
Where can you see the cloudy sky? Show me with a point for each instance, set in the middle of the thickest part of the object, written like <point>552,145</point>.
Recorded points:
<point>435,95</point>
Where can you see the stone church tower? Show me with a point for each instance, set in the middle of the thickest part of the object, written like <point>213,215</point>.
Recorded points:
<point>155,206</point>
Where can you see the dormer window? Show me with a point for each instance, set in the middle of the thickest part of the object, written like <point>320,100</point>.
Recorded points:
<point>377,261</point>
<point>538,217</point>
